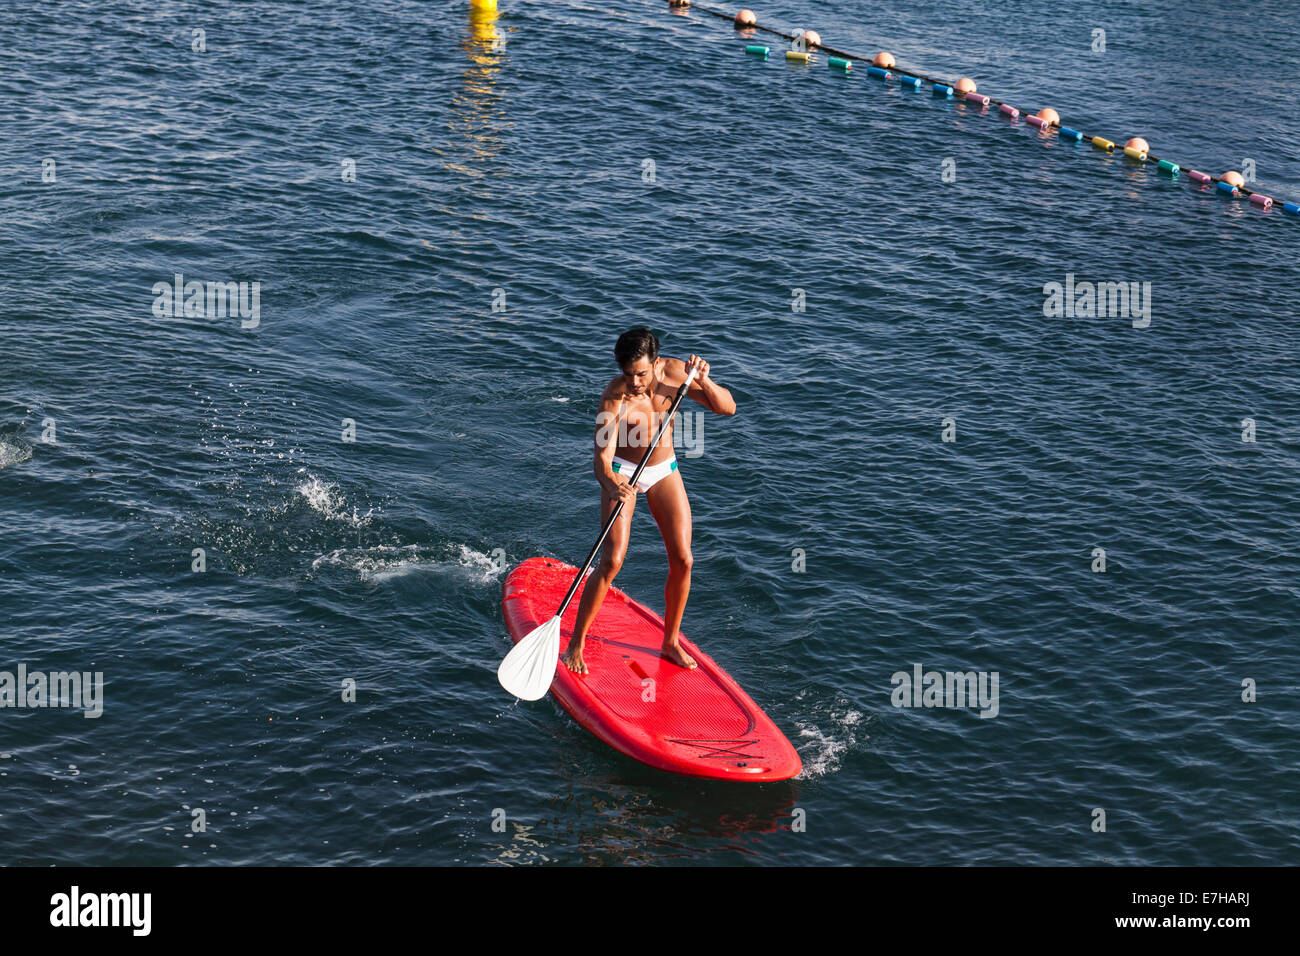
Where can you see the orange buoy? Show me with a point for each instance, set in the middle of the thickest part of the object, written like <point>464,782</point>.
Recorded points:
<point>1138,143</point>
<point>1234,177</point>
<point>679,3</point>
<point>812,38</point>
<point>1048,115</point>
<point>965,85</point>
<point>746,18</point>
<point>883,60</point>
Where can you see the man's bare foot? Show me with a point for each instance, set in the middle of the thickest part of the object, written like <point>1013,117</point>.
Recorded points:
<point>678,656</point>
<point>572,659</point>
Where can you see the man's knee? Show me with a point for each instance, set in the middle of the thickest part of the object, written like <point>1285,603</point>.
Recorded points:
<point>680,562</point>
<point>609,565</point>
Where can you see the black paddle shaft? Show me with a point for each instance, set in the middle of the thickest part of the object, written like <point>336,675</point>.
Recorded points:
<point>618,508</point>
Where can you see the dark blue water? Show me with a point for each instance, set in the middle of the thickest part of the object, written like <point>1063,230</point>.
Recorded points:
<point>509,154</point>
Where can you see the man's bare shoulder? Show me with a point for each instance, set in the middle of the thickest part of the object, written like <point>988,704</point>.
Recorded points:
<point>614,392</point>
<point>674,372</point>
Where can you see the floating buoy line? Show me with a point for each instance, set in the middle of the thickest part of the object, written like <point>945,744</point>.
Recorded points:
<point>883,67</point>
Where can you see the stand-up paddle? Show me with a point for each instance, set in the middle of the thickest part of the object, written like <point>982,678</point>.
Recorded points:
<point>529,668</point>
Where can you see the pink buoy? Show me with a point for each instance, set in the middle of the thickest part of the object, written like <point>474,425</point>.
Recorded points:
<point>1009,110</point>
<point>979,98</point>
<point>1138,143</point>
<point>1259,200</point>
<point>1037,121</point>
<point>1198,177</point>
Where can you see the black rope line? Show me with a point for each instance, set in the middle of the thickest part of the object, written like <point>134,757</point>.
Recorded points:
<point>992,101</point>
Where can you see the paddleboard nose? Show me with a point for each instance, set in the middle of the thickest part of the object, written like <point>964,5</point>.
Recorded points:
<point>698,722</point>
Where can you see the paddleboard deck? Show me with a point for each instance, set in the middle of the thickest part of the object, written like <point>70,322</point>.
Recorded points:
<point>693,722</point>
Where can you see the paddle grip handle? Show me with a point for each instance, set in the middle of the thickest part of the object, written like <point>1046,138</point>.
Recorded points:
<point>618,508</point>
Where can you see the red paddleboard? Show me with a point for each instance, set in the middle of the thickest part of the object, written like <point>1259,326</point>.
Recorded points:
<point>698,722</point>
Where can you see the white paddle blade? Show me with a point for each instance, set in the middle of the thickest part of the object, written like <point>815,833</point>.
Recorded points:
<point>529,668</point>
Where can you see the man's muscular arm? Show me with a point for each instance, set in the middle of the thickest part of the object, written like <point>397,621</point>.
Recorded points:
<point>607,424</point>
<point>704,390</point>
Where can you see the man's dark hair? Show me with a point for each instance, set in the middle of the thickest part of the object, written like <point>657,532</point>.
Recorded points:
<point>635,343</point>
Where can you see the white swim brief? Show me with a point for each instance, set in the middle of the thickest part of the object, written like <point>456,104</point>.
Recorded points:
<point>652,475</point>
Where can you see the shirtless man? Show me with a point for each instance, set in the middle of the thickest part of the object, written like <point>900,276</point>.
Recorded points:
<point>631,409</point>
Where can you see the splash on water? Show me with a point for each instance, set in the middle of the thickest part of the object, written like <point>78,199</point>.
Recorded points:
<point>13,451</point>
<point>326,499</point>
<point>825,739</point>
<point>381,563</point>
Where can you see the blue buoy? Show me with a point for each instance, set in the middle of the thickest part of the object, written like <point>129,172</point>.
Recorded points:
<point>913,82</point>
<point>941,90</point>
<point>877,72</point>
<point>1073,135</point>
<point>1228,188</point>
<point>1291,208</point>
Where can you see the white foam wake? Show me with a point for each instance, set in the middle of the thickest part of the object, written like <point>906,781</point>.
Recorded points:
<point>385,562</point>
<point>13,451</point>
<point>822,748</point>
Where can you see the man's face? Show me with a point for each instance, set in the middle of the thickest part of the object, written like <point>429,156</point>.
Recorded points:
<point>639,375</point>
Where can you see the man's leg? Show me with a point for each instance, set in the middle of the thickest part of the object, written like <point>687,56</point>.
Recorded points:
<point>672,512</point>
<point>593,591</point>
